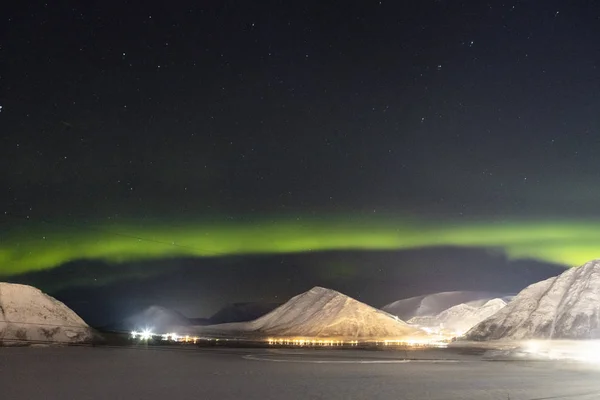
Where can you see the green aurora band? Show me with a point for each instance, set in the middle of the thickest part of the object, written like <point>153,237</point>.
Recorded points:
<point>37,246</point>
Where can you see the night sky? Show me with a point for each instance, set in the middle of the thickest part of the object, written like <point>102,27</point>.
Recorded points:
<point>386,148</point>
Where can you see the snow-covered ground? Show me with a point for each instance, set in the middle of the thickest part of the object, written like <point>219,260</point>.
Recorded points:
<point>261,374</point>
<point>584,351</point>
<point>563,307</point>
<point>29,316</point>
<point>322,312</point>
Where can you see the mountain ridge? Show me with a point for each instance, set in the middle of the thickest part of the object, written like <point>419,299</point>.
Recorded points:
<point>29,316</point>
<point>563,307</point>
<point>321,312</point>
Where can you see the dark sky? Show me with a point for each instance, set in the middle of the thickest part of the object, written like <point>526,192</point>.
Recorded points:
<point>474,113</point>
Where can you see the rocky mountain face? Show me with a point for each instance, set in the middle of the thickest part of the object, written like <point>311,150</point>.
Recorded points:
<point>28,316</point>
<point>563,307</point>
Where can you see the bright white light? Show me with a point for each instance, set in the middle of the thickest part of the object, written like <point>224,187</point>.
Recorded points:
<point>532,347</point>
<point>591,353</point>
<point>146,334</point>
<point>134,334</point>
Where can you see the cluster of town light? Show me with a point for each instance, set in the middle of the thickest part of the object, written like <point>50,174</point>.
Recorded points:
<point>173,337</point>
<point>332,343</point>
<point>147,334</point>
<point>432,341</point>
<point>310,342</point>
<point>414,343</point>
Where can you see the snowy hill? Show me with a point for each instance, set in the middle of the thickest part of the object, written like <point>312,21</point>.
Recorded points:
<point>459,318</point>
<point>242,312</point>
<point>324,312</point>
<point>563,307</point>
<point>29,316</point>
<point>156,318</point>
<point>433,304</point>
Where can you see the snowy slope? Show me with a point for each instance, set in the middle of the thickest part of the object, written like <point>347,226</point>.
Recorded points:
<point>156,318</point>
<point>563,307</point>
<point>27,315</point>
<point>459,318</point>
<point>433,304</point>
<point>324,312</point>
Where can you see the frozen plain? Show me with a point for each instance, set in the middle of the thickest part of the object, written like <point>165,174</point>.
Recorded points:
<point>220,373</point>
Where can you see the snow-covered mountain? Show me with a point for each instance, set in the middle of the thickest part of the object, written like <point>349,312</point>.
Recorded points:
<point>459,318</point>
<point>322,312</point>
<point>563,307</point>
<point>155,318</point>
<point>242,312</point>
<point>432,304</point>
<point>29,316</point>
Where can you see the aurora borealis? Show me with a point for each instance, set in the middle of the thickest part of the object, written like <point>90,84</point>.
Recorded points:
<point>42,246</point>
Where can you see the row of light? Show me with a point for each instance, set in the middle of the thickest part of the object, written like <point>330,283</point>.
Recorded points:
<point>147,334</point>
<point>176,338</point>
<point>310,342</point>
<point>415,343</point>
<point>327,342</point>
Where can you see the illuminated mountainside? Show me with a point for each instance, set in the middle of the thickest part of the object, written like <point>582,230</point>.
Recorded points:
<point>155,318</point>
<point>459,318</point>
<point>27,315</point>
<point>324,312</point>
<point>432,304</point>
<point>563,307</point>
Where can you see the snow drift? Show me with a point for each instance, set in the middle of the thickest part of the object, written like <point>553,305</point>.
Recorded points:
<point>563,307</point>
<point>29,316</point>
<point>459,318</point>
<point>322,312</point>
<point>433,304</point>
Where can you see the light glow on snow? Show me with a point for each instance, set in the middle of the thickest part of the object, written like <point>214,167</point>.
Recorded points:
<point>587,351</point>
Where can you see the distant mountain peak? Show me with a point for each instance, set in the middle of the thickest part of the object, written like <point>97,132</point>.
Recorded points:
<point>430,305</point>
<point>322,312</point>
<point>461,317</point>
